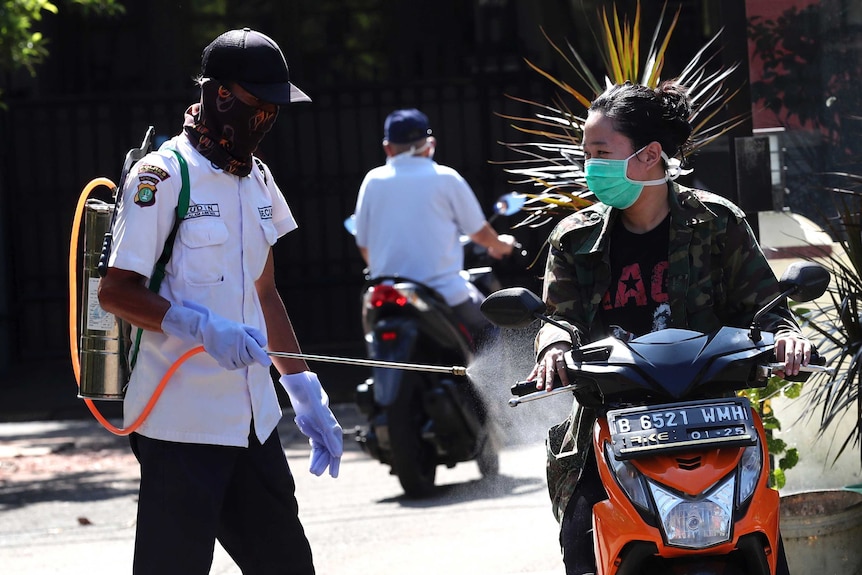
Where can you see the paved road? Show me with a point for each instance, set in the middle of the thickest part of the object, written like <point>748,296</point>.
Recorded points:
<point>68,489</point>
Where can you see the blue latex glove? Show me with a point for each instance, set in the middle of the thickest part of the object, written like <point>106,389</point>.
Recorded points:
<point>233,345</point>
<point>315,420</point>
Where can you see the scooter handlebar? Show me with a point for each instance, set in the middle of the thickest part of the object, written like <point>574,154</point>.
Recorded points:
<point>523,388</point>
<point>526,391</point>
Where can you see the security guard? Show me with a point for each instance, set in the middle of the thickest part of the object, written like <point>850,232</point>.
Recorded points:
<point>212,464</point>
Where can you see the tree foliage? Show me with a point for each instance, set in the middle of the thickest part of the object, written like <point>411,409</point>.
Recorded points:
<point>811,76</point>
<point>22,46</point>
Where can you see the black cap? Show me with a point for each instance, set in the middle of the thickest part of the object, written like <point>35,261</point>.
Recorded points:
<point>255,62</point>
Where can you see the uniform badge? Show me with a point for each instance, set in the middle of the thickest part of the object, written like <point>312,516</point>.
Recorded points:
<point>149,176</point>
<point>146,194</point>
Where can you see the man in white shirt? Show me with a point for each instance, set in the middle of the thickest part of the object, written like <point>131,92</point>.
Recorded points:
<point>212,464</point>
<point>411,212</point>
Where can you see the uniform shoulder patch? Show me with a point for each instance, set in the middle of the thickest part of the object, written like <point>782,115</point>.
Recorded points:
<point>148,177</point>
<point>158,172</point>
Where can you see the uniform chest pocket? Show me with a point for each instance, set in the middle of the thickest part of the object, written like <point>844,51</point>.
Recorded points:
<point>203,261</point>
<point>269,231</point>
<point>259,243</point>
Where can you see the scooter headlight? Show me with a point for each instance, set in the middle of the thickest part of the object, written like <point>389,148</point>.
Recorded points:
<point>629,478</point>
<point>749,472</point>
<point>696,523</point>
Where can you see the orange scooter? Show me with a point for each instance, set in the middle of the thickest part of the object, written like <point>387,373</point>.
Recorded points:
<point>683,458</point>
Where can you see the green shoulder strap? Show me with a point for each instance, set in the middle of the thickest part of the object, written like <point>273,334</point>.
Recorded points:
<point>159,270</point>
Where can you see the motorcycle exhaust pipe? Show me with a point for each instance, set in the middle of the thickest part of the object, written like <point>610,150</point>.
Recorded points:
<point>453,370</point>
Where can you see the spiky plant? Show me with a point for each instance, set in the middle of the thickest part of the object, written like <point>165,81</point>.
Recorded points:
<point>838,326</point>
<point>549,168</point>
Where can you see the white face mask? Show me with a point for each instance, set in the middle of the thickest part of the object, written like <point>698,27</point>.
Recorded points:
<point>609,180</point>
<point>414,151</point>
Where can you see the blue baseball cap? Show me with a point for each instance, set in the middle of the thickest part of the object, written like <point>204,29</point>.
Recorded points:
<point>406,126</point>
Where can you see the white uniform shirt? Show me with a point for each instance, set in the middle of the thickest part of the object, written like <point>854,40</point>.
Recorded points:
<point>219,252</point>
<point>410,215</point>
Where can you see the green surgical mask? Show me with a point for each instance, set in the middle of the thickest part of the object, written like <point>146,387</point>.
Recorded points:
<point>609,181</point>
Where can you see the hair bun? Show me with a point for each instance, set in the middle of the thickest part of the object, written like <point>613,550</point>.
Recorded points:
<point>675,100</point>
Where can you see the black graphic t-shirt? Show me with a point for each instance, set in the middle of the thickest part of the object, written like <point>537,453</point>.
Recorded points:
<point>636,302</point>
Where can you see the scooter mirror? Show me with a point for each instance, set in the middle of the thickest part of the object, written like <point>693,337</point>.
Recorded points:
<point>350,224</point>
<point>510,204</point>
<point>513,307</point>
<point>807,280</point>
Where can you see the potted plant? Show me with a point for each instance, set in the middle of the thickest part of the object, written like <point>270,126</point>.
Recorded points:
<point>837,325</point>
<point>820,527</point>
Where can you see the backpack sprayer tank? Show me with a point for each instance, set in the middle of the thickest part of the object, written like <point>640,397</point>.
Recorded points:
<point>105,339</point>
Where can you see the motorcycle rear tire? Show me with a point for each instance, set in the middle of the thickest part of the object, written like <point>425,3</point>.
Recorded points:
<point>414,460</point>
<point>489,458</point>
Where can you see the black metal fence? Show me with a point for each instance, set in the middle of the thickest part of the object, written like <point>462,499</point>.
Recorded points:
<point>318,153</point>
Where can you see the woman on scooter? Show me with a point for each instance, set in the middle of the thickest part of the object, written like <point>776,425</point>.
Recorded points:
<point>650,254</point>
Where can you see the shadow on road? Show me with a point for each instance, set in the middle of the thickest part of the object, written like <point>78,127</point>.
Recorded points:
<point>484,488</point>
<point>82,486</point>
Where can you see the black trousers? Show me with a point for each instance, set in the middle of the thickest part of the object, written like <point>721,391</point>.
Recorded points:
<point>576,536</point>
<point>192,494</point>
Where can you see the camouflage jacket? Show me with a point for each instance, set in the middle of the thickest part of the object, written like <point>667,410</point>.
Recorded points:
<point>717,275</point>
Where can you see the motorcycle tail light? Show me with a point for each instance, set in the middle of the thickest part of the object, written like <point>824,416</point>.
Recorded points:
<point>389,335</point>
<point>383,294</point>
<point>749,472</point>
<point>696,523</point>
<point>630,479</point>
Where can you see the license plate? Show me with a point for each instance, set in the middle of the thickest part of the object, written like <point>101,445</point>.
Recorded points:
<point>638,431</point>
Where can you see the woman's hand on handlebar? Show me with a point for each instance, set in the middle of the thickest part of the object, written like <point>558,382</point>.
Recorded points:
<point>794,350</point>
<point>550,364</point>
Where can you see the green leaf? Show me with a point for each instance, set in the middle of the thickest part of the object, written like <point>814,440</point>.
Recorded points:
<point>771,423</point>
<point>779,480</point>
<point>776,446</point>
<point>790,459</point>
<point>793,391</point>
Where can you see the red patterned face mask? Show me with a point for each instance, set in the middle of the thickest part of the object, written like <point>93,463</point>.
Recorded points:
<point>226,130</point>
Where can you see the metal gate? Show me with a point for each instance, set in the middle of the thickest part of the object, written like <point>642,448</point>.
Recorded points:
<point>318,153</point>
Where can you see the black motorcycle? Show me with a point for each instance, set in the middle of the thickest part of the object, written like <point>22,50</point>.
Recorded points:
<point>418,420</point>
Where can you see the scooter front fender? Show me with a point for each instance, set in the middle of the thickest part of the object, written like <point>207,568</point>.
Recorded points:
<point>619,528</point>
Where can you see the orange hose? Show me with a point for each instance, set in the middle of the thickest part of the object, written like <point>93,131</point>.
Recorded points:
<point>73,271</point>
<point>150,404</point>
<point>73,323</point>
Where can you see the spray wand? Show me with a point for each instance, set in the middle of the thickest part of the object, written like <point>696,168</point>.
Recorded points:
<point>453,370</point>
